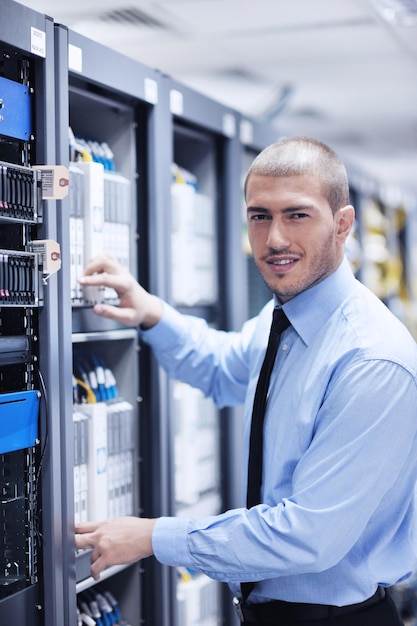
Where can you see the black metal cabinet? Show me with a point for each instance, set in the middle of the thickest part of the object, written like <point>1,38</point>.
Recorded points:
<point>108,102</point>
<point>30,506</point>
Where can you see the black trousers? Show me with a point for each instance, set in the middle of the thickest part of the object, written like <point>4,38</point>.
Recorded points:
<point>383,613</point>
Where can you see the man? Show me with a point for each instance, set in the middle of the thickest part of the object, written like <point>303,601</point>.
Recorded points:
<point>335,524</point>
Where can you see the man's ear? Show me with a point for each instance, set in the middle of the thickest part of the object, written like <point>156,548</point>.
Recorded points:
<point>345,218</point>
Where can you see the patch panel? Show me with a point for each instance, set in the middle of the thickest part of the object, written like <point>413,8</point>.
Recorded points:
<point>20,283</point>
<point>20,193</point>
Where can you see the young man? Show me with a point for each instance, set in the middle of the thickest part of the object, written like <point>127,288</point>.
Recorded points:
<point>335,524</point>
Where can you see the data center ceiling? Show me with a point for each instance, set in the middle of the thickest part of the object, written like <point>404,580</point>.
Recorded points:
<point>339,70</point>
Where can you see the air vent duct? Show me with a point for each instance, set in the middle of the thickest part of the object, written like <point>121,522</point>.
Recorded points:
<point>132,16</point>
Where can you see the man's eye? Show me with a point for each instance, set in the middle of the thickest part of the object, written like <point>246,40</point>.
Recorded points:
<point>298,216</point>
<point>258,217</point>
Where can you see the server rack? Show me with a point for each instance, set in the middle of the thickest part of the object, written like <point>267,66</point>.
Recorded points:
<point>380,247</point>
<point>105,98</point>
<point>30,506</point>
<point>203,172</point>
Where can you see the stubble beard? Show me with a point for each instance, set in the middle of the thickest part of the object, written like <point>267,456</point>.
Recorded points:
<point>322,264</point>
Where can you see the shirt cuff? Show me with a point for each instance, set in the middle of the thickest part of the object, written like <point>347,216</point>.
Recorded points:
<point>164,333</point>
<point>169,541</point>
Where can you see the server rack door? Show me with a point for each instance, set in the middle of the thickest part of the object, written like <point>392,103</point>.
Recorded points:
<point>159,603</point>
<point>29,457</point>
<point>204,190</point>
<point>106,103</point>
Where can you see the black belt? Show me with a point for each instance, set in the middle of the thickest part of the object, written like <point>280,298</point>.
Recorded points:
<point>298,611</point>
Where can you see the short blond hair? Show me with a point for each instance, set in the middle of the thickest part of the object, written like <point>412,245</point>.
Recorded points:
<point>296,156</point>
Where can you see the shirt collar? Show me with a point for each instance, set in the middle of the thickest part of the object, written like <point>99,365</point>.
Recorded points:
<point>311,309</point>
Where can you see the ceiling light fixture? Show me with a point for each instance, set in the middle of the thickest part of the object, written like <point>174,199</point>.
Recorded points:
<point>397,12</point>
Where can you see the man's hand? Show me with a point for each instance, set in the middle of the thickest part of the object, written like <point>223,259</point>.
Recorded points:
<point>114,542</point>
<point>137,306</point>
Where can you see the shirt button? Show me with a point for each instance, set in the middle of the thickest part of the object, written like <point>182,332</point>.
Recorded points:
<point>284,347</point>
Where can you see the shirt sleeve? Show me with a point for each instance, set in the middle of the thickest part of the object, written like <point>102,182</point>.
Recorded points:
<point>216,362</point>
<point>352,487</point>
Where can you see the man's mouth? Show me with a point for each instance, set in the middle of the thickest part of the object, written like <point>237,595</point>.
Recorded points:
<point>282,261</point>
<point>281,266</point>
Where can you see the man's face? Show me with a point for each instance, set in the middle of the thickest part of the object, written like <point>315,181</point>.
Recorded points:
<point>295,238</point>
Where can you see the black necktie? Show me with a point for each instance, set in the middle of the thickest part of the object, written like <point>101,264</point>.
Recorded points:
<point>279,323</point>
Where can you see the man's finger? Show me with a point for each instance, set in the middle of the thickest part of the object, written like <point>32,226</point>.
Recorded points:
<point>86,527</point>
<point>123,315</point>
<point>97,567</point>
<point>102,263</point>
<point>103,278</point>
<point>83,542</point>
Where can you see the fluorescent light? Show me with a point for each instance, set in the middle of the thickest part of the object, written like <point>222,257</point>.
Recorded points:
<point>398,12</point>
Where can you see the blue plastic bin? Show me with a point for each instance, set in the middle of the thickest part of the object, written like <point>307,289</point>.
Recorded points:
<point>18,420</point>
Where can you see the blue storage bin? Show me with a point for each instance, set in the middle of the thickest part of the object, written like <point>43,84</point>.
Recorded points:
<point>18,420</point>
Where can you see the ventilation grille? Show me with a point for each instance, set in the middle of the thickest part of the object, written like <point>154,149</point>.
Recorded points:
<point>239,73</point>
<point>132,16</point>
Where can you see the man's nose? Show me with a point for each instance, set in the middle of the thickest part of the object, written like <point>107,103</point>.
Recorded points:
<point>277,235</point>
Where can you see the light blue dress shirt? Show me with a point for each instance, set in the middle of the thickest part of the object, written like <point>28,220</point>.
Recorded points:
<point>338,510</point>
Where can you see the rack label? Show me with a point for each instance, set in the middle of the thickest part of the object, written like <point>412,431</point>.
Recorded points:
<point>176,102</point>
<point>37,42</point>
<point>75,58</point>
<point>50,254</point>
<point>151,91</point>
<point>55,181</point>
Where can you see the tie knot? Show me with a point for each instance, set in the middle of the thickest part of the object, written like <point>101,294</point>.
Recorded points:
<point>279,321</point>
